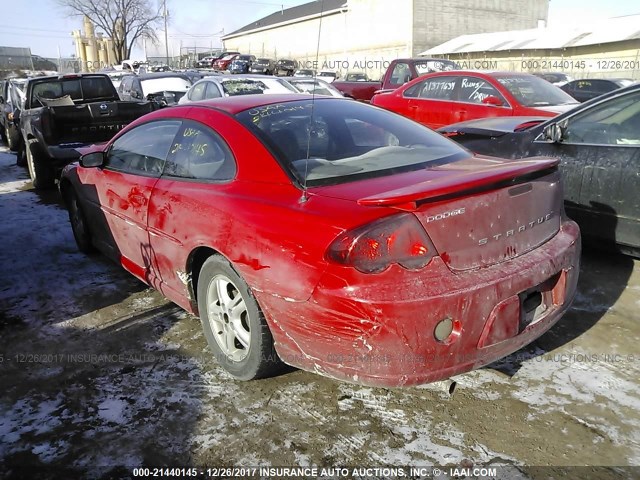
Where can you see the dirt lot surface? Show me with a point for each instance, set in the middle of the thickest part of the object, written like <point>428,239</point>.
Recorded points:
<point>100,374</point>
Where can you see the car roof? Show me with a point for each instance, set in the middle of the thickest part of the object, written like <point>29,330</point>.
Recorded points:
<point>239,103</point>
<point>150,75</point>
<point>488,73</point>
<point>605,79</point>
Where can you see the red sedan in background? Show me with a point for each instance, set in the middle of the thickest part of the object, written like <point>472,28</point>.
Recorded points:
<point>443,98</point>
<point>224,62</point>
<point>331,235</point>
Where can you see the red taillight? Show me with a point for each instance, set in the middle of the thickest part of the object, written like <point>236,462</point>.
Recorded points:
<point>373,248</point>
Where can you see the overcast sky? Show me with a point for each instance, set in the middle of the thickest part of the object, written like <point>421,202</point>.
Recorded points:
<point>46,28</point>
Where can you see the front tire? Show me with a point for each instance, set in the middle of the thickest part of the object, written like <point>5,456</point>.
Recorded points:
<point>21,155</point>
<point>233,324</point>
<point>41,173</point>
<point>79,224</point>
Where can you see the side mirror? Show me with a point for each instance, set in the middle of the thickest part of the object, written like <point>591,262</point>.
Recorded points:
<point>554,132</point>
<point>90,160</point>
<point>492,101</point>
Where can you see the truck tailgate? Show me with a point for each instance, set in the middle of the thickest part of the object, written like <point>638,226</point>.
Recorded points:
<point>90,123</point>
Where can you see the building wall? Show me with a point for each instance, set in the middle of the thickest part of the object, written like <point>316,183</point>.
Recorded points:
<point>374,32</point>
<point>15,58</point>
<point>435,21</point>
<point>606,60</point>
<point>365,38</point>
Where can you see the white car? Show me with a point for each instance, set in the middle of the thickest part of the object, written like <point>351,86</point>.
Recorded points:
<point>232,85</point>
<point>328,76</point>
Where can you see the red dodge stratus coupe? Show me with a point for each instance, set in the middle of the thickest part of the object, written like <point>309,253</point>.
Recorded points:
<point>332,235</point>
<point>443,98</point>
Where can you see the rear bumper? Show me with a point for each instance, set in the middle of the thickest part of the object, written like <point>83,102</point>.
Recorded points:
<point>379,329</point>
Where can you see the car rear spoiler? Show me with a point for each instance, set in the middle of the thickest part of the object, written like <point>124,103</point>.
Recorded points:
<point>461,183</point>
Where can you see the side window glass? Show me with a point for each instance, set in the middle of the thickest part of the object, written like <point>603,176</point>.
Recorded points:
<point>414,90</point>
<point>364,134</point>
<point>212,90</point>
<point>197,92</point>
<point>615,122</point>
<point>199,153</point>
<point>475,90</point>
<point>440,88</point>
<point>144,149</point>
<point>400,74</point>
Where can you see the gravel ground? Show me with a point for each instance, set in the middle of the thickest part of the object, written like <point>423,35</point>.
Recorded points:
<point>100,374</point>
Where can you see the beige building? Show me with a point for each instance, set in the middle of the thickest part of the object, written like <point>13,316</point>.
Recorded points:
<point>607,49</point>
<point>365,35</point>
<point>93,51</point>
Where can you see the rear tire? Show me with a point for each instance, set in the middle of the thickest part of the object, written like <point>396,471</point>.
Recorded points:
<point>233,324</point>
<point>79,224</point>
<point>41,172</point>
<point>13,138</point>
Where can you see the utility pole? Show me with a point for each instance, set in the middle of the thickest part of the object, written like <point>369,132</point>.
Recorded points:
<point>166,36</point>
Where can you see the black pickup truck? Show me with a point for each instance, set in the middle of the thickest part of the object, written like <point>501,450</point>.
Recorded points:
<point>66,112</point>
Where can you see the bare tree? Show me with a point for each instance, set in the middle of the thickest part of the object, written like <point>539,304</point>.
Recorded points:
<point>125,21</point>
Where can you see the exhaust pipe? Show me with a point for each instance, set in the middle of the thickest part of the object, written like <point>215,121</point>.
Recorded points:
<point>447,386</point>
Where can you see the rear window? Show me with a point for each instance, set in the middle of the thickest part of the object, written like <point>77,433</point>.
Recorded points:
<point>247,86</point>
<point>532,91</point>
<point>334,141</point>
<point>79,89</point>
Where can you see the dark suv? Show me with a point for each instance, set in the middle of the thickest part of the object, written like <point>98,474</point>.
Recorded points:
<point>286,67</point>
<point>263,65</point>
<point>241,64</point>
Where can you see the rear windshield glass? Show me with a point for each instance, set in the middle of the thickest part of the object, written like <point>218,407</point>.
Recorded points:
<point>336,141</point>
<point>532,91</point>
<point>247,86</point>
<point>86,88</point>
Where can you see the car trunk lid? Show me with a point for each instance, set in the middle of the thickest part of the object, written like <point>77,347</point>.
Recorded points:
<point>480,211</point>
